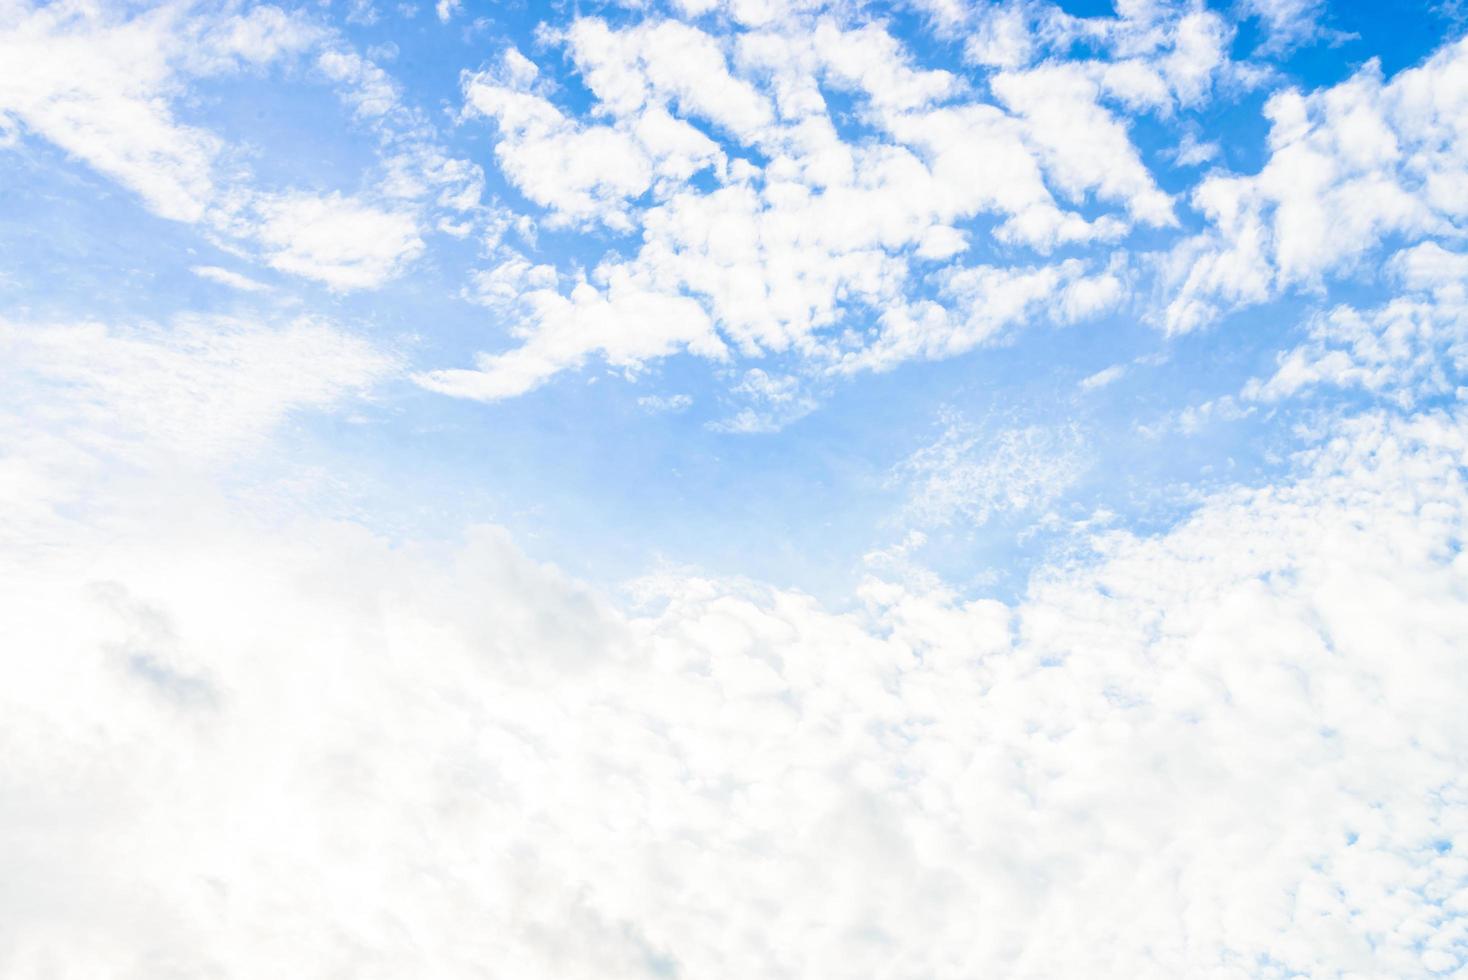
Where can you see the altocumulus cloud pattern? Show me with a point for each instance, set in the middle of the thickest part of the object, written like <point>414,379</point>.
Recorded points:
<point>914,490</point>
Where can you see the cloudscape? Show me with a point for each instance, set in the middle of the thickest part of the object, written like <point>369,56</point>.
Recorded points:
<point>811,489</point>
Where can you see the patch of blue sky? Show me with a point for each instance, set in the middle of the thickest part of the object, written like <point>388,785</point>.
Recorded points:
<point>285,133</point>
<point>566,463</point>
<point>74,243</point>
<point>802,506</point>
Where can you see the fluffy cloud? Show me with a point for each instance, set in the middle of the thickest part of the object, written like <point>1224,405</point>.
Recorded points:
<point>581,172</point>
<point>103,87</point>
<point>93,86</point>
<point>1412,347</point>
<point>1083,146</point>
<point>1289,22</point>
<point>199,388</point>
<point>245,741</point>
<point>342,242</point>
<point>1236,749</point>
<point>1349,166</point>
<point>227,277</point>
<point>804,236</point>
<point>979,304</point>
<point>625,321</point>
<point>365,86</point>
<point>667,63</point>
<point>968,475</point>
<point>1148,55</point>
<point>772,402</point>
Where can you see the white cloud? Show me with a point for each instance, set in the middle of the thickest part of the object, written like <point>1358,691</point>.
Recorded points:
<point>235,748</point>
<point>103,87</point>
<point>1413,346</point>
<point>1223,409</point>
<point>365,86</point>
<point>1349,166</point>
<point>970,474</point>
<point>1289,23</point>
<point>201,388</point>
<point>795,252</point>
<point>1084,147</point>
<point>343,242</point>
<point>1103,377</point>
<point>259,36</point>
<point>246,746</point>
<point>1192,152</point>
<point>665,403</point>
<point>580,172</point>
<point>584,172</point>
<point>1148,55</point>
<point>955,142</point>
<point>774,401</point>
<point>775,264</point>
<point>94,85</point>
<point>869,60</point>
<point>980,303</point>
<point>228,277</point>
<point>666,63</point>
<point>503,285</point>
<point>625,321</point>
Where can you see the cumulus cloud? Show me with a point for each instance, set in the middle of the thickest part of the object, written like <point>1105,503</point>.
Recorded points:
<point>234,749</point>
<point>1103,377</point>
<point>1290,23</point>
<point>978,304</point>
<point>773,401</point>
<point>343,242</point>
<point>665,403</point>
<point>239,744</point>
<point>1192,152</point>
<point>1349,167</point>
<point>91,84</point>
<point>105,86</point>
<point>625,321</point>
<point>1412,347</point>
<point>1146,55</point>
<point>970,474</point>
<point>1084,147</point>
<point>365,86</point>
<point>797,233</point>
<point>580,172</point>
<point>228,277</point>
<point>197,388</point>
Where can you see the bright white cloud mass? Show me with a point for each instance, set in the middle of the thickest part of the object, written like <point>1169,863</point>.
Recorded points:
<point>733,488</point>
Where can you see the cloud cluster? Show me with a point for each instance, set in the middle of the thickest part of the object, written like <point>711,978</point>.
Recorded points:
<point>342,242</point>
<point>968,474</point>
<point>794,225</point>
<point>105,87</point>
<point>792,180</point>
<point>248,742</point>
<point>1413,347</point>
<point>1350,166</point>
<point>237,748</point>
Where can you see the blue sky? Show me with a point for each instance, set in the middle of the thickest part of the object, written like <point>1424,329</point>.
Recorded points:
<point>1081,357</point>
<point>605,485</point>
